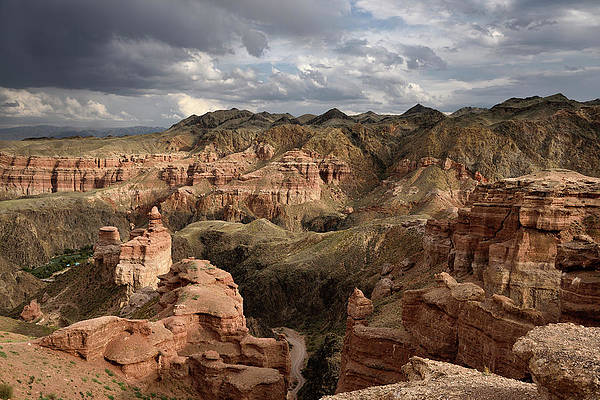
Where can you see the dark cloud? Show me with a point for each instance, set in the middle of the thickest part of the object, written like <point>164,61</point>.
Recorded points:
<point>115,56</point>
<point>255,42</point>
<point>419,57</point>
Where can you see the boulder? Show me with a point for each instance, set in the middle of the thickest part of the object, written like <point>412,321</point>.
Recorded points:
<point>564,360</point>
<point>31,311</point>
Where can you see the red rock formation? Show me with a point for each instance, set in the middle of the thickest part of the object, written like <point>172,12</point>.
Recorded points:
<point>405,166</point>
<point>138,262</point>
<point>510,236</point>
<point>455,322</point>
<point>31,311</point>
<point>295,179</point>
<point>370,356</point>
<point>26,176</point>
<point>107,251</point>
<point>531,247</point>
<point>146,256</point>
<point>201,339</point>
<point>427,379</point>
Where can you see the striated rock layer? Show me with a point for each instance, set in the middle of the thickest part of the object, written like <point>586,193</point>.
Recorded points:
<point>201,338</point>
<point>27,176</point>
<point>370,356</point>
<point>519,235</point>
<point>455,322</point>
<point>237,190</point>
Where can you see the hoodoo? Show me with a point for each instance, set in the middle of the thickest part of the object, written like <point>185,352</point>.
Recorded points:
<point>138,262</point>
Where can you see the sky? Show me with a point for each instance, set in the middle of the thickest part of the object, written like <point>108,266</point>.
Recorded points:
<point>154,62</point>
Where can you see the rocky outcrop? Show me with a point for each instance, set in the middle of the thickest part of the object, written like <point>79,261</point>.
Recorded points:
<point>509,238</point>
<point>107,251</point>
<point>31,311</point>
<point>244,186</point>
<point>295,179</point>
<point>200,338</point>
<point>138,262</point>
<point>370,356</point>
<point>455,322</point>
<point>527,250</point>
<point>145,256</point>
<point>532,239</point>
<point>427,379</point>
<point>27,176</point>
<point>403,167</point>
<point>563,360</point>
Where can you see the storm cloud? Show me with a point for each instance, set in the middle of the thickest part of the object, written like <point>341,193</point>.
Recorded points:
<point>153,62</point>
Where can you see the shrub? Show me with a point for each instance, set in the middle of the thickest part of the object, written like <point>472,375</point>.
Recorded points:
<point>6,391</point>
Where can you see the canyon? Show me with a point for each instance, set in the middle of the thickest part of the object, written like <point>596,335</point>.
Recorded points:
<point>413,250</point>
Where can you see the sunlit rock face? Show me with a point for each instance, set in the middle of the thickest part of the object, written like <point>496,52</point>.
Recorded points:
<point>138,262</point>
<point>200,338</point>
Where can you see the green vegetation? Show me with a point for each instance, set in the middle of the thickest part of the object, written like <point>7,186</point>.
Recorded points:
<point>109,372</point>
<point>23,328</point>
<point>323,369</point>
<point>6,391</point>
<point>69,258</point>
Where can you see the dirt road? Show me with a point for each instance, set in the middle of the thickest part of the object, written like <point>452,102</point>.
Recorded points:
<point>298,355</point>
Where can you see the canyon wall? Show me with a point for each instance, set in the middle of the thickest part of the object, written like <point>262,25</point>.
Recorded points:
<point>27,176</point>
<point>525,254</point>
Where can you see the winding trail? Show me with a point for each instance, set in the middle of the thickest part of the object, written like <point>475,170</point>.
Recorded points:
<point>298,355</point>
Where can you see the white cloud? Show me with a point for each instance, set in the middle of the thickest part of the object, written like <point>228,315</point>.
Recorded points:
<point>19,103</point>
<point>189,105</point>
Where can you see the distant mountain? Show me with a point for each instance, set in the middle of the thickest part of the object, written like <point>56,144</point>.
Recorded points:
<point>333,114</point>
<point>49,131</point>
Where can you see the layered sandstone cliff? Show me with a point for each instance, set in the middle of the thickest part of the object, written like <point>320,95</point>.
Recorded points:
<point>200,339</point>
<point>526,251</point>
<point>370,356</point>
<point>27,176</point>
<point>562,359</point>
<point>241,187</point>
<point>532,239</point>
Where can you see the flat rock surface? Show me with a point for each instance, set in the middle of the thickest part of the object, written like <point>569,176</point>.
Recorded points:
<point>434,380</point>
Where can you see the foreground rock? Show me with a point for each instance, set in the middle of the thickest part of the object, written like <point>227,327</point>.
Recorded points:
<point>201,339</point>
<point>564,360</point>
<point>427,379</point>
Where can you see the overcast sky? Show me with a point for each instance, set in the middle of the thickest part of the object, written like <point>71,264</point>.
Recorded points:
<point>154,62</point>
